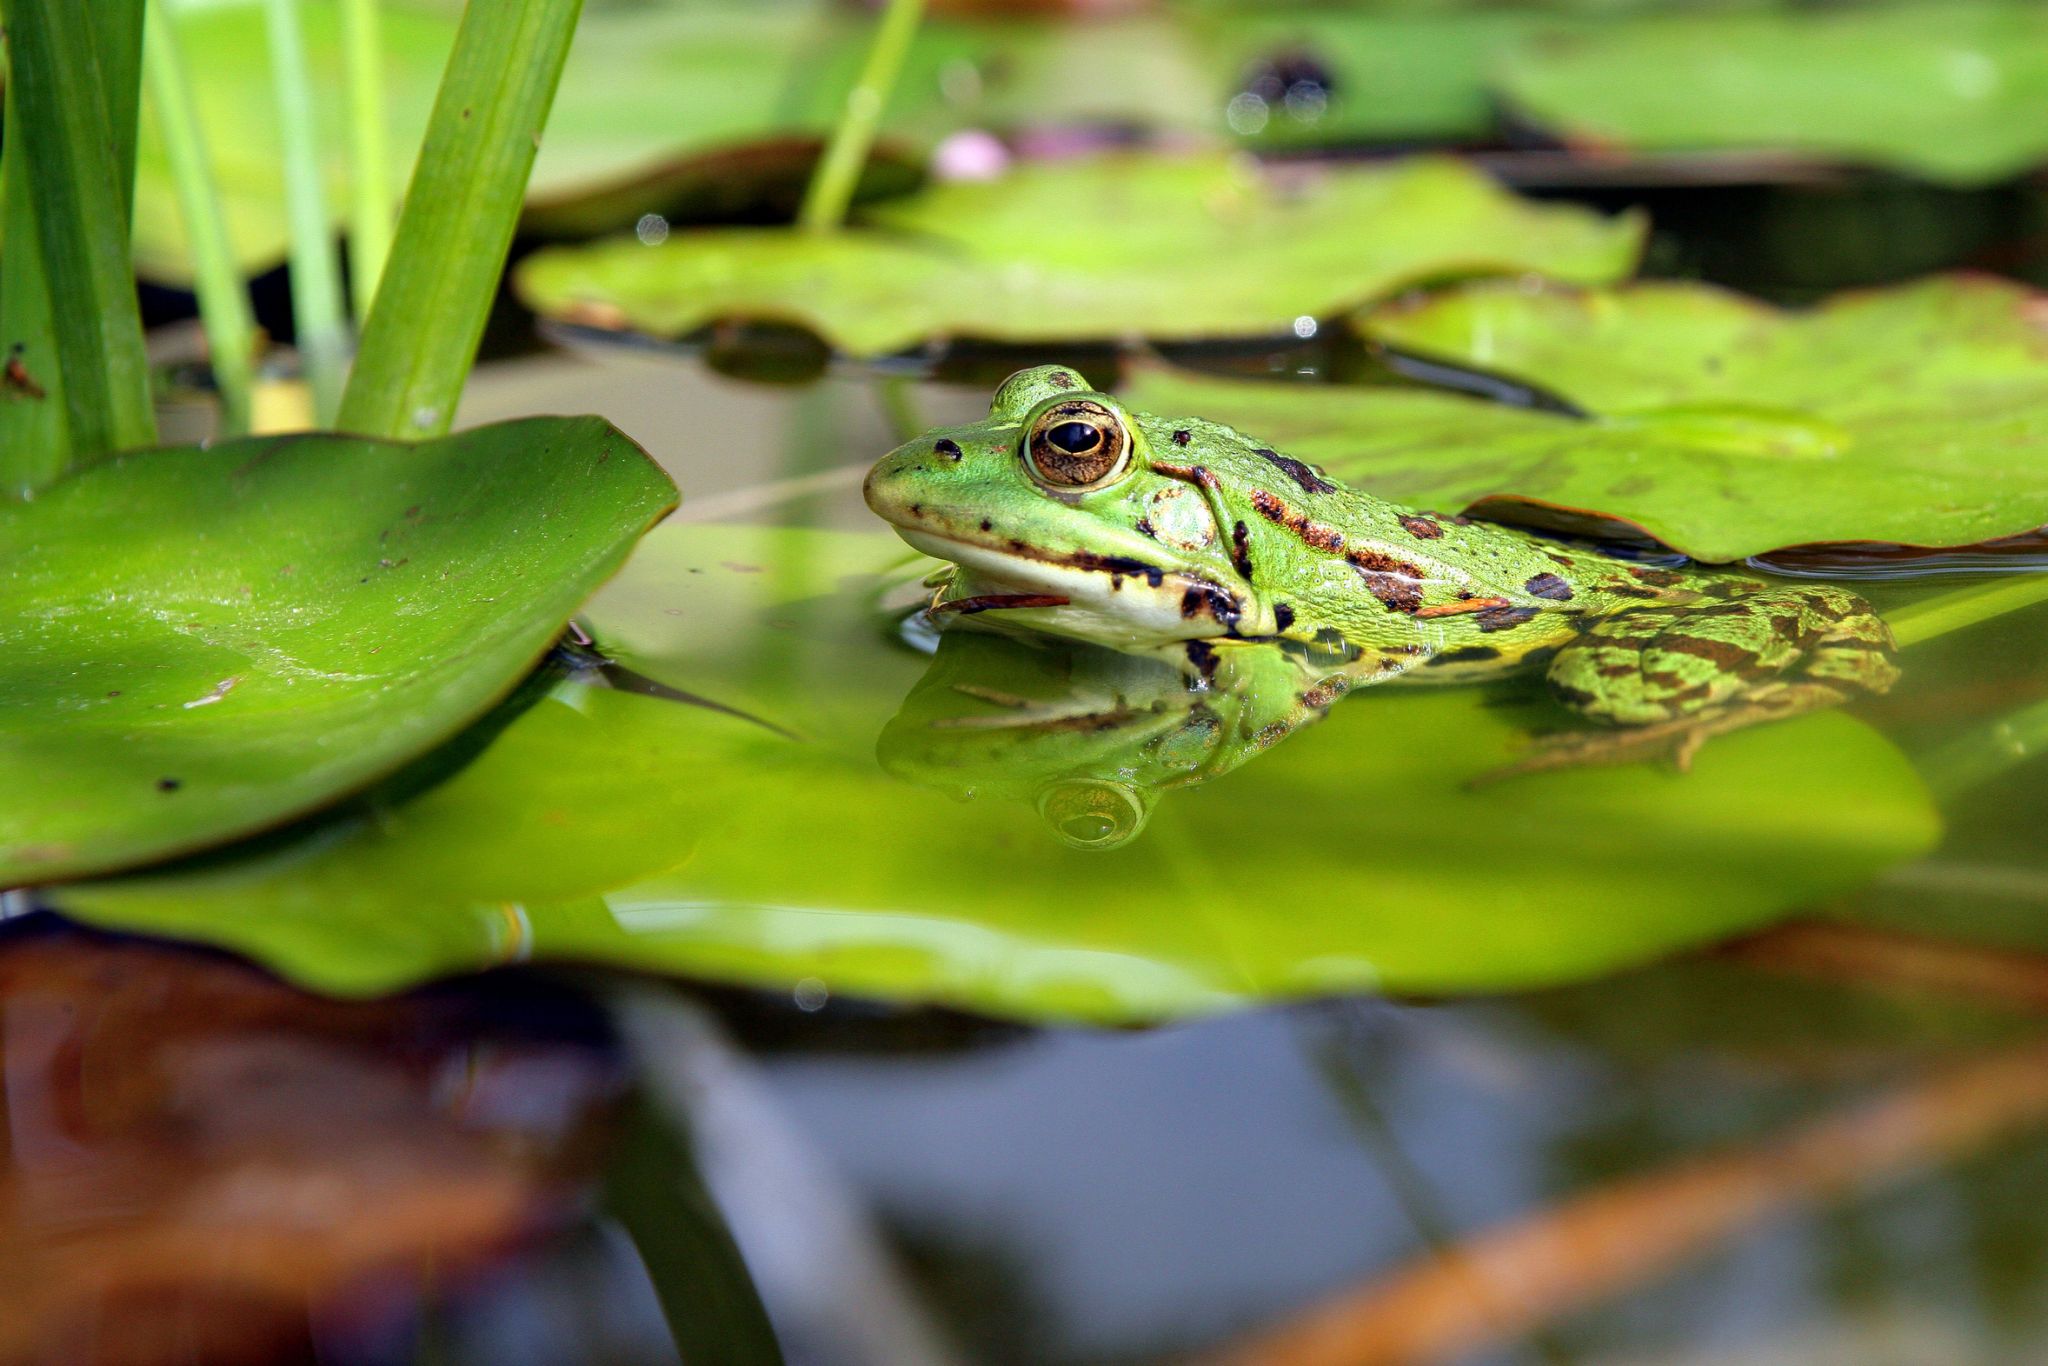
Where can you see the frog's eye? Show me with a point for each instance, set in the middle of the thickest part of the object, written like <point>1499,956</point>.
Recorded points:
<point>1094,813</point>
<point>1080,444</point>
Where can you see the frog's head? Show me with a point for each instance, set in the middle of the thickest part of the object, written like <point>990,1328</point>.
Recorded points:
<point>1093,518</point>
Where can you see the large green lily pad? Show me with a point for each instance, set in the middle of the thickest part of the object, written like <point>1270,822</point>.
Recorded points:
<point>1110,247</point>
<point>199,643</point>
<point>1723,427</point>
<point>1954,90</point>
<point>623,829</point>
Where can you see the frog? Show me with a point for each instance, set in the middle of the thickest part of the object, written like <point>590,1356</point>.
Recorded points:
<point>1066,512</point>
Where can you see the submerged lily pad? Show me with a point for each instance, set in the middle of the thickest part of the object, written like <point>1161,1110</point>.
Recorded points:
<point>204,642</point>
<point>1723,427</point>
<point>602,826</point>
<point>1111,247</point>
<point>1953,90</point>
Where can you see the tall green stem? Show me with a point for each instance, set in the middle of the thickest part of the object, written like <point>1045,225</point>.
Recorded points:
<point>317,314</point>
<point>370,205</point>
<point>78,385</point>
<point>459,215</point>
<point>223,302</point>
<point>830,192</point>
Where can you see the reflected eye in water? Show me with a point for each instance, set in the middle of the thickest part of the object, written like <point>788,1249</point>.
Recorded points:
<point>1080,444</point>
<point>1094,813</point>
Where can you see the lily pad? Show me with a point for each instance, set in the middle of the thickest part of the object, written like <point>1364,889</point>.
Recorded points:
<point>1723,427</point>
<point>1111,247</point>
<point>1955,91</point>
<point>664,836</point>
<point>204,642</point>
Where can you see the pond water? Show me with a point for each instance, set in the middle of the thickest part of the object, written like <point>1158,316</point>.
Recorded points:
<point>802,995</point>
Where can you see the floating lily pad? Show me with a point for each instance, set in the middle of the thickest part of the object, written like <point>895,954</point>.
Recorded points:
<point>1953,90</point>
<point>203,642</point>
<point>1725,428</point>
<point>1113,247</point>
<point>603,826</point>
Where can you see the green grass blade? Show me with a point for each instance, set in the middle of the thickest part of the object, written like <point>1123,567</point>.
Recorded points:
<point>118,46</point>
<point>838,173</point>
<point>35,436</point>
<point>317,314</point>
<point>369,154</point>
<point>459,214</point>
<point>223,302</point>
<point>76,169</point>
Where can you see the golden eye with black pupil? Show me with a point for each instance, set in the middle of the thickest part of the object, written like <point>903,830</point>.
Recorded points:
<point>1079,444</point>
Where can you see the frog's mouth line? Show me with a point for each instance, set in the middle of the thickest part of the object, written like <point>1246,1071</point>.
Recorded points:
<point>994,602</point>
<point>1172,603</point>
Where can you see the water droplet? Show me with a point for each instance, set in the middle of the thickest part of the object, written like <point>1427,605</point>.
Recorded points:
<point>652,229</point>
<point>1247,114</point>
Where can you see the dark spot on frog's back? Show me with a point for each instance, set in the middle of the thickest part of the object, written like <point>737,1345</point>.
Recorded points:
<point>1503,618</point>
<point>1181,437</point>
<point>1283,616</point>
<point>947,447</point>
<point>1060,379</point>
<point>1396,583</point>
<point>987,525</point>
<point>1202,655</point>
<point>1549,586</point>
<point>1307,476</point>
<point>1315,535</point>
<point>1240,551</point>
<point>1421,528</point>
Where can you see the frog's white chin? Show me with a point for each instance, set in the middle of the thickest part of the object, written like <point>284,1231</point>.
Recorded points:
<point>1105,606</point>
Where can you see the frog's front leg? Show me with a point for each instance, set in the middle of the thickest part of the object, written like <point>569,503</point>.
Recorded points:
<point>1662,680</point>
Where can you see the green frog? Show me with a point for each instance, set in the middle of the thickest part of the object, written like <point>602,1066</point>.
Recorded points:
<point>1065,512</point>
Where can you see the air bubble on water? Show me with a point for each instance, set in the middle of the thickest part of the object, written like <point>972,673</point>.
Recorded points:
<point>811,994</point>
<point>652,229</point>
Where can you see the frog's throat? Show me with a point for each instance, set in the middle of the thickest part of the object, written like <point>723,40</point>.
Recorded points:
<point>1141,598</point>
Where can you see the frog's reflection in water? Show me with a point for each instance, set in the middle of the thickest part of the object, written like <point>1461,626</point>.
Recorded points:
<point>1090,737</point>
